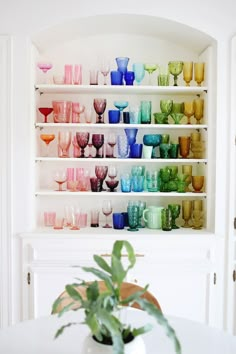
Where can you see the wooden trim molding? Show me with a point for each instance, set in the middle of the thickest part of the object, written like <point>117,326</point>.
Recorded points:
<point>5,180</point>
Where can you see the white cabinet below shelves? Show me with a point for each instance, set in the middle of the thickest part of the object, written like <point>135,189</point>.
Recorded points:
<point>180,271</point>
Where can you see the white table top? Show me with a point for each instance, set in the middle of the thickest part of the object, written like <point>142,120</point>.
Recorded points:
<point>37,336</point>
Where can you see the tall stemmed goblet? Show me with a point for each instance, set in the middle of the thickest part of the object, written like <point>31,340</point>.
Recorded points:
<point>112,172</point>
<point>175,68</point>
<point>199,69</point>
<point>98,141</point>
<point>99,105</point>
<point>45,112</point>
<point>107,210</point>
<point>44,67</point>
<point>177,112</point>
<point>122,65</point>
<point>150,68</point>
<point>47,138</point>
<point>139,72</point>
<point>175,212</point>
<point>184,146</point>
<point>186,212</point>
<point>64,141</point>
<point>198,105</point>
<point>189,110</point>
<point>60,177</point>
<point>121,105</point>
<point>101,173</point>
<point>105,69</point>
<point>90,145</point>
<point>111,141</point>
<point>82,140</point>
<point>187,170</point>
<point>188,72</point>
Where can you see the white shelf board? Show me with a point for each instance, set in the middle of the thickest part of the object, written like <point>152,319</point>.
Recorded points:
<point>115,89</point>
<point>115,160</point>
<point>120,125</point>
<point>118,194</point>
<point>100,232</point>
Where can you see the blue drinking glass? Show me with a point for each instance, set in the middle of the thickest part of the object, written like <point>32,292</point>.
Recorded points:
<point>139,72</point>
<point>122,63</point>
<point>131,134</point>
<point>118,221</point>
<point>129,78</point>
<point>116,77</point>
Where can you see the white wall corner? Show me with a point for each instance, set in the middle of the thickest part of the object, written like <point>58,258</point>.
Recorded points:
<point>5,179</point>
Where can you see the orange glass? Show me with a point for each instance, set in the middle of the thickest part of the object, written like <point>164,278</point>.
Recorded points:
<point>197,183</point>
<point>184,146</point>
<point>47,138</point>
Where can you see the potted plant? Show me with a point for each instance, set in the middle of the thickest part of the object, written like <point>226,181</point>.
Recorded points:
<point>101,309</point>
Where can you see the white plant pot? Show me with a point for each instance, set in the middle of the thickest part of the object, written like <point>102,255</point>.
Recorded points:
<point>90,346</point>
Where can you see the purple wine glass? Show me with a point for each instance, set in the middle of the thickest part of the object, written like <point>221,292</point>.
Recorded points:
<point>99,105</point>
<point>98,141</point>
<point>82,140</point>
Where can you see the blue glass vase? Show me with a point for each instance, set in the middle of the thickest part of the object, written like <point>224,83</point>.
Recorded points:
<point>122,64</point>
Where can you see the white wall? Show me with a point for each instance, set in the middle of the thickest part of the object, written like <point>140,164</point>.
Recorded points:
<point>25,18</point>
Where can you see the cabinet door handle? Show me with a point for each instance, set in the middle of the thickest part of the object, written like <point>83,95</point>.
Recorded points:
<point>123,255</point>
<point>234,275</point>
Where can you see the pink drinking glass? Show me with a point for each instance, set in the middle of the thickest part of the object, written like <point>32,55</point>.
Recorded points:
<point>44,67</point>
<point>68,74</point>
<point>61,111</point>
<point>76,148</point>
<point>64,141</point>
<point>77,78</point>
<point>60,177</point>
<point>77,109</point>
<point>49,218</point>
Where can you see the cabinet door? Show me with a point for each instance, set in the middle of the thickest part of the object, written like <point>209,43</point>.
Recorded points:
<point>182,287</point>
<point>45,284</point>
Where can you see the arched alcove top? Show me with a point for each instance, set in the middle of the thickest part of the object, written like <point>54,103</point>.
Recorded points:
<point>151,26</point>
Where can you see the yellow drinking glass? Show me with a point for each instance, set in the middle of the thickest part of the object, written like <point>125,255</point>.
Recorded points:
<point>189,110</point>
<point>198,105</point>
<point>186,212</point>
<point>199,69</point>
<point>188,72</point>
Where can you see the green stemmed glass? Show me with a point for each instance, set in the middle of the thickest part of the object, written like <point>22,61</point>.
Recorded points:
<point>150,68</point>
<point>166,106</point>
<point>175,212</point>
<point>175,68</point>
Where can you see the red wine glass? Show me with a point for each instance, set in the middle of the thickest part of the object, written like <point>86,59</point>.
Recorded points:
<point>45,111</point>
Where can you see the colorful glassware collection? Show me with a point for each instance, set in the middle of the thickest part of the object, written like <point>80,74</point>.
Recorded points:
<point>153,146</point>
<point>135,216</point>
<point>122,75</point>
<point>139,113</point>
<point>138,179</point>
